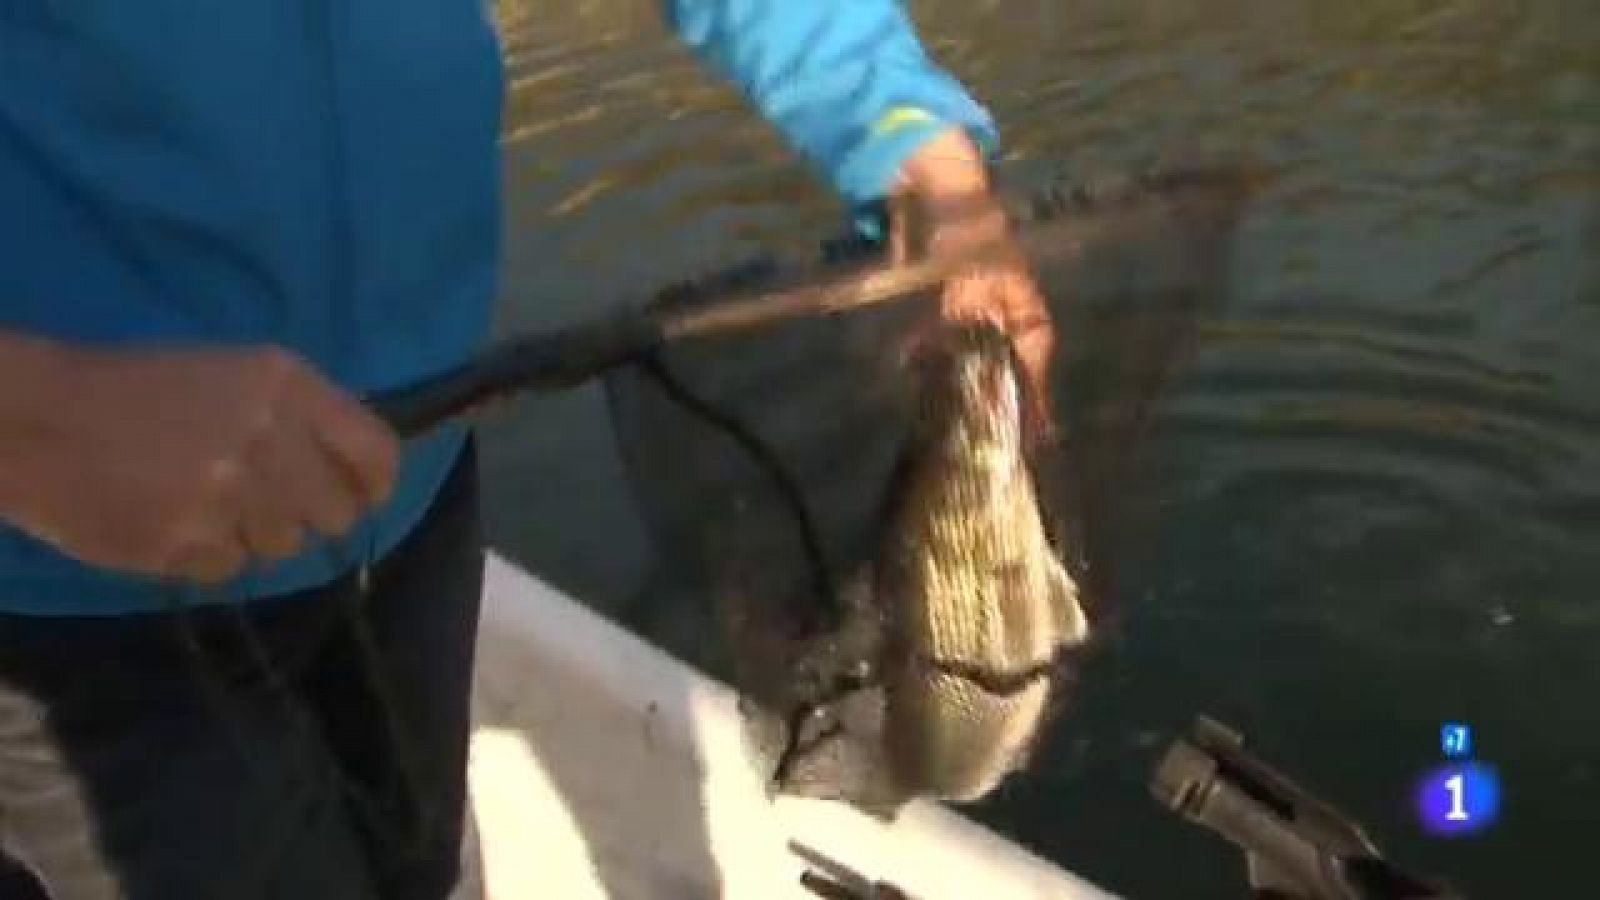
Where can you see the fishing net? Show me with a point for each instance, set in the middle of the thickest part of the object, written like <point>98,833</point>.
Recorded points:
<point>760,461</point>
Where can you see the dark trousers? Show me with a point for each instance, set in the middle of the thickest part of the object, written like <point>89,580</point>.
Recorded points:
<point>305,757</point>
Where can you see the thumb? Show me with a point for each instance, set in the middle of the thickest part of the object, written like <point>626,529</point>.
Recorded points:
<point>912,227</point>
<point>1038,413</point>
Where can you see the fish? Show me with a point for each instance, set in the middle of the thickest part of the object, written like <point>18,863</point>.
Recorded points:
<point>978,607</point>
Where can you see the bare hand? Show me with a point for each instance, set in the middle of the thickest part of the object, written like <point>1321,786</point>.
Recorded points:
<point>189,464</point>
<point>943,202</point>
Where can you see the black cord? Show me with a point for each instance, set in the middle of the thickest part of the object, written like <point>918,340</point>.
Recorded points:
<point>767,461</point>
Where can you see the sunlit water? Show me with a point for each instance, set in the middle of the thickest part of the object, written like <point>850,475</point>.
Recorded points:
<point>1372,491</point>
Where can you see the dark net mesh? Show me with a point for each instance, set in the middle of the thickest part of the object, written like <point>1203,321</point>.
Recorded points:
<point>760,461</point>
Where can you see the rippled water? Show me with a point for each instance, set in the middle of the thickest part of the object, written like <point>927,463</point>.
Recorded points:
<point>1369,498</point>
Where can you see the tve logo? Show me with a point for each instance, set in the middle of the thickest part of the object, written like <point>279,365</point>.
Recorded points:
<point>1460,797</point>
<point>1455,740</point>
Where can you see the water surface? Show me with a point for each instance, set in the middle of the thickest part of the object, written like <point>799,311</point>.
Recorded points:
<point>1367,501</point>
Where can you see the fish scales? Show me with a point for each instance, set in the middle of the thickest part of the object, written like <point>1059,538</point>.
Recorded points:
<point>978,604</point>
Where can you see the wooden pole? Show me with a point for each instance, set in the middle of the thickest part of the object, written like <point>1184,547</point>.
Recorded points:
<point>569,356</point>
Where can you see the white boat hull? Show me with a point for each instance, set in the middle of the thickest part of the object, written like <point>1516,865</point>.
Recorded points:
<point>603,768</point>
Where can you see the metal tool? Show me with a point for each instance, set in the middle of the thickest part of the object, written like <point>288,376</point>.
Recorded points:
<point>1295,845</point>
<point>833,880</point>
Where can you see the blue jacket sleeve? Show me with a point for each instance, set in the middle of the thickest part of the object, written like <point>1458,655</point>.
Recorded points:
<point>846,82</point>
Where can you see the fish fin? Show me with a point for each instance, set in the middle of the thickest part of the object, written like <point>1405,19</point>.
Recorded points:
<point>1071,622</point>
<point>1022,758</point>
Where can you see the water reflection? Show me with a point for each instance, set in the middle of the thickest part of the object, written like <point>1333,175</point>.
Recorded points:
<point>1367,502</point>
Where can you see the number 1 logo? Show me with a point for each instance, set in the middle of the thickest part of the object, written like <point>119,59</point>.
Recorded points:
<point>1458,799</point>
<point>1456,786</point>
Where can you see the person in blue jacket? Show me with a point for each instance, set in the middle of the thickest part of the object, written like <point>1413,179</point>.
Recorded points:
<point>221,224</point>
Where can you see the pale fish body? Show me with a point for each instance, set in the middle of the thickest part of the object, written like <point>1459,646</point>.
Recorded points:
<point>978,604</point>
